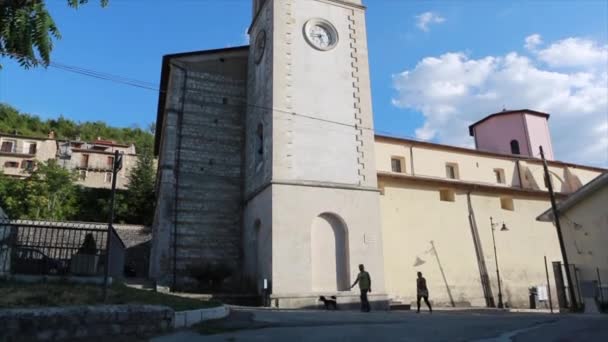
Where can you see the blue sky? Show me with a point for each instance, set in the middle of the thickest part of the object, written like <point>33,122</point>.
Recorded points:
<point>129,37</point>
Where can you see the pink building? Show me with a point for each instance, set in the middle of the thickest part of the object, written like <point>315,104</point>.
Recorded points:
<point>519,132</point>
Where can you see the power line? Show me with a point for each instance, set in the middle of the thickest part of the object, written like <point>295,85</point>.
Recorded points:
<point>154,87</point>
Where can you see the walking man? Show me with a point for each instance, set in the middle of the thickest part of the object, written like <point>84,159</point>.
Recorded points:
<point>365,285</point>
<point>422,292</point>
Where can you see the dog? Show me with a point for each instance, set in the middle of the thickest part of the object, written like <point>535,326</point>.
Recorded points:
<point>330,304</point>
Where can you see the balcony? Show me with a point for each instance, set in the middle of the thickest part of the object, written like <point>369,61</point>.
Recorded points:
<point>90,166</point>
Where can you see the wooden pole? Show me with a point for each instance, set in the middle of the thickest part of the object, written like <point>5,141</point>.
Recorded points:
<point>548,285</point>
<point>562,247</point>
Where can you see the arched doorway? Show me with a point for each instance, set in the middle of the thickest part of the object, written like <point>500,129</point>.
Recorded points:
<point>329,254</point>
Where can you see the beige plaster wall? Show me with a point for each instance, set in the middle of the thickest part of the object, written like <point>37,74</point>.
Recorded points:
<point>477,168</point>
<point>585,231</point>
<point>413,215</point>
<point>295,211</point>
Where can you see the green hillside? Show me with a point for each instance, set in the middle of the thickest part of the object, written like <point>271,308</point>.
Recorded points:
<point>14,122</point>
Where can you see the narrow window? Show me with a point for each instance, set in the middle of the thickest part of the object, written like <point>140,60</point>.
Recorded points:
<point>259,145</point>
<point>108,177</point>
<point>11,164</point>
<point>82,175</point>
<point>506,203</point>
<point>514,147</point>
<point>396,164</point>
<point>446,195</point>
<point>110,162</point>
<point>500,176</point>
<point>32,148</point>
<point>8,146</point>
<point>451,170</point>
<point>84,162</point>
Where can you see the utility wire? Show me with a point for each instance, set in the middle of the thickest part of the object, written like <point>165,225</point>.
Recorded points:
<point>154,87</point>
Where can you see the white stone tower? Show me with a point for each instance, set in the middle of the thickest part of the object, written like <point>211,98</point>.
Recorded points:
<point>312,204</point>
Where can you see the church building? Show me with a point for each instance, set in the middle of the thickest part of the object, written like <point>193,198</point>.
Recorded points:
<point>269,167</point>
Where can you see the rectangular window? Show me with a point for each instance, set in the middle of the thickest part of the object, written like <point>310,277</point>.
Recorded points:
<point>27,165</point>
<point>451,170</point>
<point>447,195</point>
<point>110,162</point>
<point>8,146</point>
<point>84,161</point>
<point>82,175</point>
<point>397,164</point>
<point>506,203</point>
<point>108,177</point>
<point>500,176</point>
<point>29,147</point>
<point>11,164</point>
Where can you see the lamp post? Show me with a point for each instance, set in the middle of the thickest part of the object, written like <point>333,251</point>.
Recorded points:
<point>503,229</point>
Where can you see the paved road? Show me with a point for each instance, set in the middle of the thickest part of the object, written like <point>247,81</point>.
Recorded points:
<point>482,325</point>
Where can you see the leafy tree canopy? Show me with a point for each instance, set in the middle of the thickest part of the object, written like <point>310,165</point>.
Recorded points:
<point>27,30</point>
<point>49,193</point>
<point>14,122</point>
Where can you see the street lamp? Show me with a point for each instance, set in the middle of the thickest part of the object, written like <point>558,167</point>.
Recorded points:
<point>502,229</point>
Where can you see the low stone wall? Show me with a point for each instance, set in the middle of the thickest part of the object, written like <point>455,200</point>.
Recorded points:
<point>84,322</point>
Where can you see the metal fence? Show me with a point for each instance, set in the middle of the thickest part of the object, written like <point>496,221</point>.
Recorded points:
<point>56,248</point>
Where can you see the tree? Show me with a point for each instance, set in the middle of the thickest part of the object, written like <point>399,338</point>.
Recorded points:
<point>26,26</point>
<point>140,188</point>
<point>48,193</point>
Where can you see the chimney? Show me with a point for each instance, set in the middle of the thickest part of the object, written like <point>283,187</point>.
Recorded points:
<point>52,135</point>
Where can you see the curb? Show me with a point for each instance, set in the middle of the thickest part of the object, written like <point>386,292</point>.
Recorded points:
<point>186,319</point>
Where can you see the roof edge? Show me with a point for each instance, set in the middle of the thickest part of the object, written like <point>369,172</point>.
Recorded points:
<point>507,112</point>
<point>164,80</point>
<point>486,153</point>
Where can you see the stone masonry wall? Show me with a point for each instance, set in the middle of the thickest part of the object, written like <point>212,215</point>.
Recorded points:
<point>209,175</point>
<point>84,323</point>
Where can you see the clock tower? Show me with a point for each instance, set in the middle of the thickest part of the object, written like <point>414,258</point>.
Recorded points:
<point>311,198</point>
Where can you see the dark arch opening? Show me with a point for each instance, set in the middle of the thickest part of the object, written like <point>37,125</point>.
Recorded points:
<point>515,147</point>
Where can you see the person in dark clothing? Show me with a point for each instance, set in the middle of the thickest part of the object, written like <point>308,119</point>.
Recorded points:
<point>422,292</point>
<point>365,285</point>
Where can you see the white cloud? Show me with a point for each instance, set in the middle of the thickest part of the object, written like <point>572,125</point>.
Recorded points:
<point>574,52</point>
<point>453,90</point>
<point>425,19</point>
<point>532,41</point>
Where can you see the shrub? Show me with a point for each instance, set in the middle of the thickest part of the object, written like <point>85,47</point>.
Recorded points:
<point>210,276</point>
<point>88,246</point>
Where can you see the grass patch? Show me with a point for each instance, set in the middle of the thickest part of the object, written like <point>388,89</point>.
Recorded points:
<point>25,295</point>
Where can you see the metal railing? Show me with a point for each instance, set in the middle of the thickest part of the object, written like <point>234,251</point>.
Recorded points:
<point>51,248</point>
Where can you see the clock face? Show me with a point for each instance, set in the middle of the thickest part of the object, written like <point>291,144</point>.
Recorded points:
<point>260,46</point>
<point>320,34</point>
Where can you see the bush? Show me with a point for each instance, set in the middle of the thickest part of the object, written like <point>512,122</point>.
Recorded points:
<point>88,246</point>
<point>211,276</point>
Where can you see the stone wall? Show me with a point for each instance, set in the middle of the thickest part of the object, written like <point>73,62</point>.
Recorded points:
<point>86,322</point>
<point>200,188</point>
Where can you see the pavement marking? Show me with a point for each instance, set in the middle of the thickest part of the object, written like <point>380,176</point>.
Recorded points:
<point>508,336</point>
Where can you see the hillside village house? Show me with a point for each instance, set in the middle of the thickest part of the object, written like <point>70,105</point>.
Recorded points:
<point>269,165</point>
<point>92,161</point>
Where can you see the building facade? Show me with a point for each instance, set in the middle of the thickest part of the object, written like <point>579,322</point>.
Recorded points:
<point>266,192</point>
<point>269,166</point>
<point>437,204</point>
<point>92,161</point>
<point>583,217</point>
